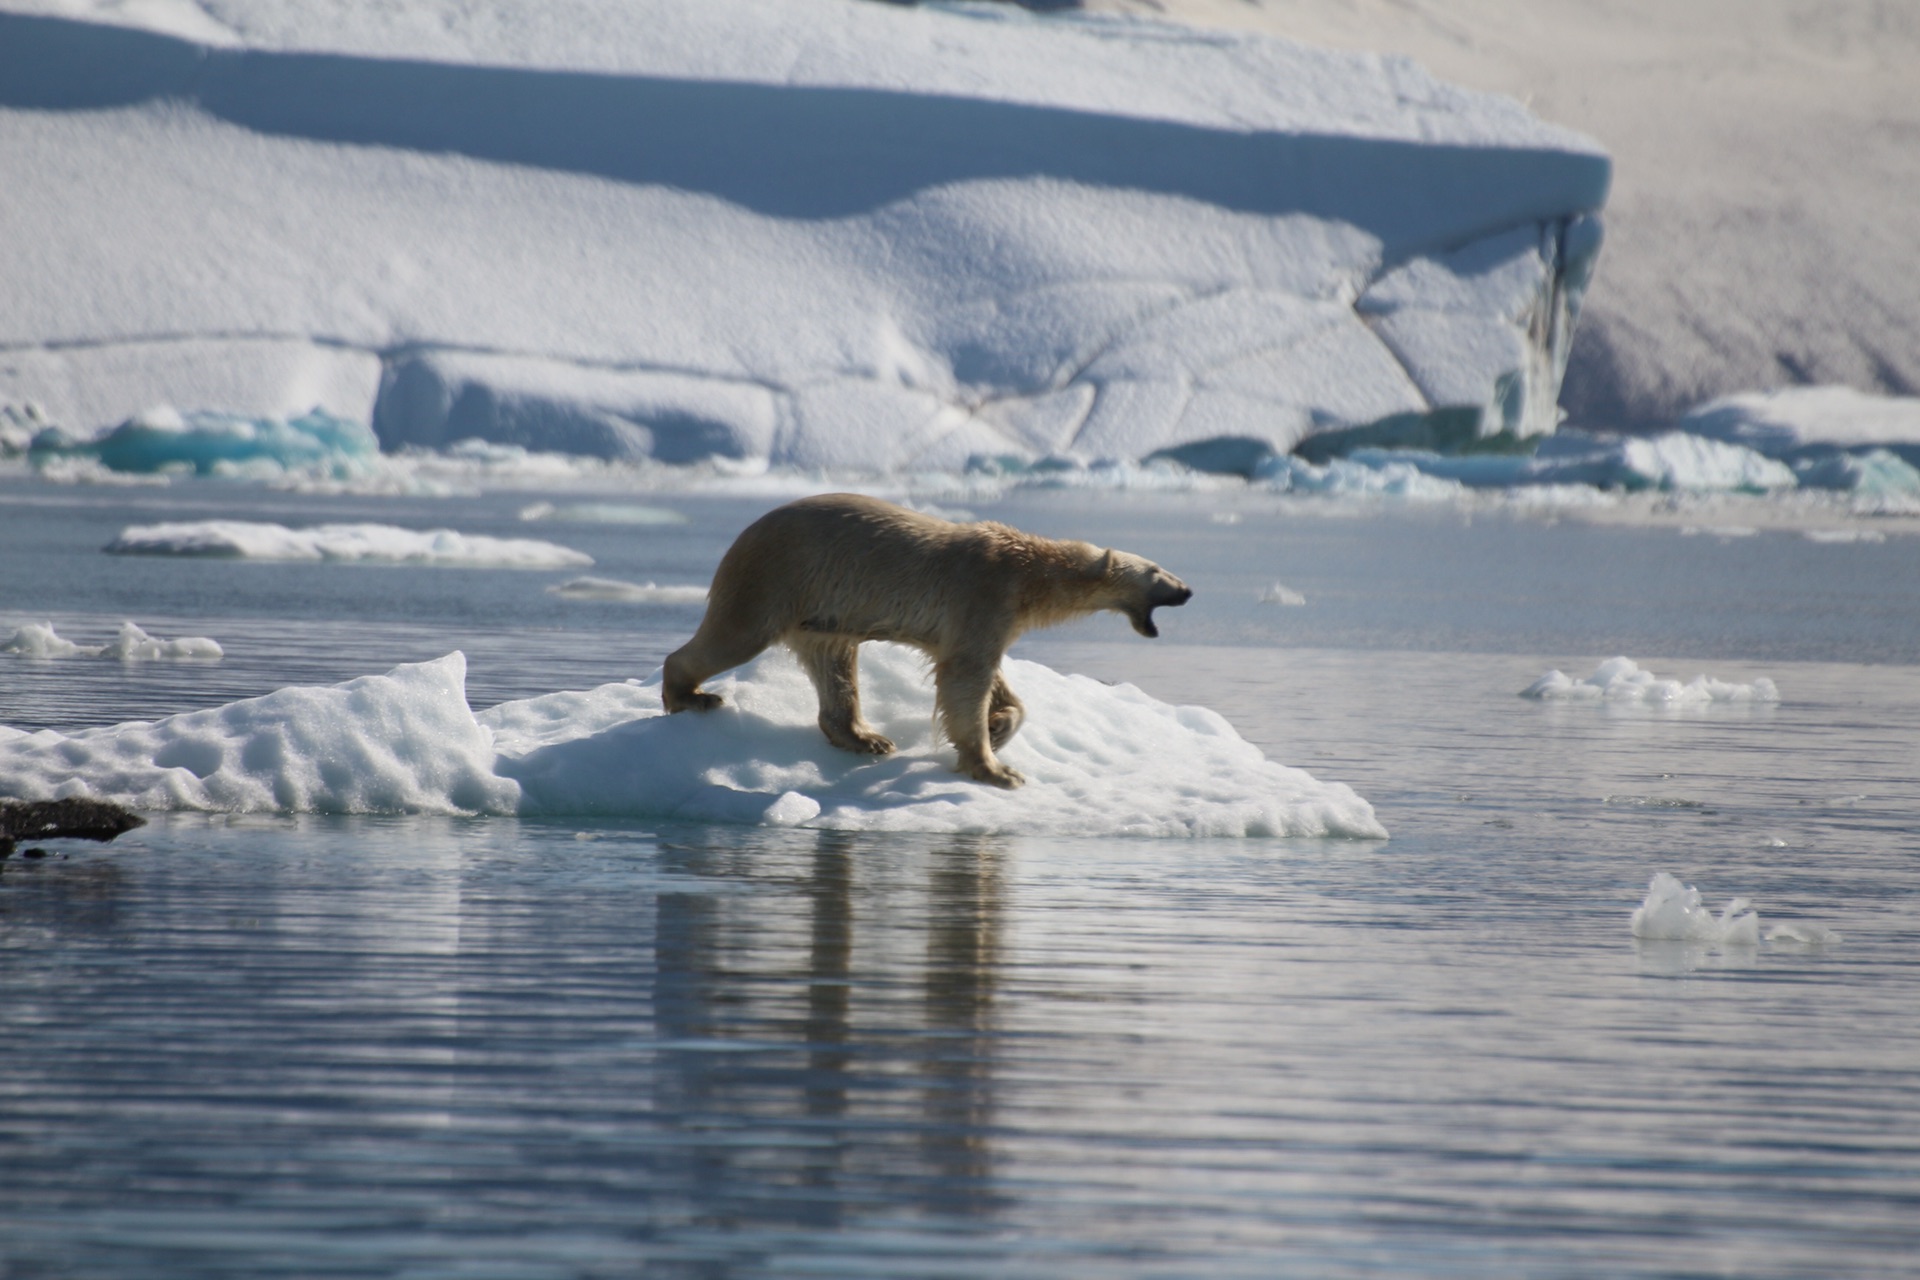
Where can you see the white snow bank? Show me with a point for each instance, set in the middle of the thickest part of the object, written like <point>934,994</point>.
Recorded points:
<point>1799,422</point>
<point>823,233</point>
<point>129,644</point>
<point>1623,680</point>
<point>1672,913</point>
<point>256,540</point>
<point>616,591</point>
<point>1100,760</point>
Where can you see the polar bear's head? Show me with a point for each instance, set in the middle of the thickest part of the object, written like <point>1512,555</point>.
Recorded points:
<point>1137,586</point>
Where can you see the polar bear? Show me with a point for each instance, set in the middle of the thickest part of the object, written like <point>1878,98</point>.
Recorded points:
<point>825,573</point>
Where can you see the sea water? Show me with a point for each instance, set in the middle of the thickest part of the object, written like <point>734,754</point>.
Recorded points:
<point>312,1046</point>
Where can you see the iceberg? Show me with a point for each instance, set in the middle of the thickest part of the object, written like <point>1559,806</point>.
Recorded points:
<point>825,234</point>
<point>1100,760</point>
<point>375,543</point>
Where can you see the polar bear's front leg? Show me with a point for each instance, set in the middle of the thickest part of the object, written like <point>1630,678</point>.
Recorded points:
<point>962,690</point>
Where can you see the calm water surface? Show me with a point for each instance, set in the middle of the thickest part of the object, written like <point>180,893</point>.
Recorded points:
<point>405,1047</point>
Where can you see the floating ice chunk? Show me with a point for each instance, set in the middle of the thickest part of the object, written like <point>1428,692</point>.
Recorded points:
<point>1724,532</point>
<point>1281,593</point>
<point>130,644</point>
<point>1837,536</point>
<point>618,592</point>
<point>404,742</point>
<point>1623,680</point>
<point>601,513</point>
<point>250,540</point>
<point>1099,760</point>
<point>38,640</point>
<point>1803,933</point>
<point>1672,913</point>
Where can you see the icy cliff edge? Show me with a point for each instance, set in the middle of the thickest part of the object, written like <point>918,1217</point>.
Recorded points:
<point>824,234</point>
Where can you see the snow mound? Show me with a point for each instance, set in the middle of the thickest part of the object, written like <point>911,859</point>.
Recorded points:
<point>130,644</point>
<point>818,234</point>
<point>1623,680</point>
<point>255,540</point>
<point>615,591</point>
<point>1799,422</point>
<point>1100,760</point>
<point>1672,913</point>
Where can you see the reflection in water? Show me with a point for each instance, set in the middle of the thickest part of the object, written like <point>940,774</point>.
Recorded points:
<point>767,1027</point>
<point>963,964</point>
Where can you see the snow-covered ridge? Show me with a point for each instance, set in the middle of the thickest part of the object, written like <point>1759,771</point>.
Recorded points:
<point>1100,760</point>
<point>818,234</point>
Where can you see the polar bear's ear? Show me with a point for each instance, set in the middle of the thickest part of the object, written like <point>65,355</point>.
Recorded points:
<point>1103,566</point>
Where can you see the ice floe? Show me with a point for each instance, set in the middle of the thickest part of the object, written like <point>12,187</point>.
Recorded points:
<point>1624,680</point>
<point>616,591</point>
<point>601,513</point>
<point>379,543</point>
<point>129,644</point>
<point>1099,759</point>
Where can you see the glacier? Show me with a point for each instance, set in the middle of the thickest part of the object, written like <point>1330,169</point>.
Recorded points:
<point>820,235</point>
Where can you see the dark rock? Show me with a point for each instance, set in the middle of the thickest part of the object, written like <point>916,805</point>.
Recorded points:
<point>76,819</point>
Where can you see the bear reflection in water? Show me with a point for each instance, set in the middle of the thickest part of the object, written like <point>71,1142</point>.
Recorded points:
<point>825,573</point>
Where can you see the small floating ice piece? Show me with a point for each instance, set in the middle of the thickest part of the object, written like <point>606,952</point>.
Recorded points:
<point>601,513</point>
<point>1280,593</point>
<point>618,592</point>
<point>256,540</point>
<point>130,644</point>
<point>1802,933</point>
<point>1624,680</point>
<point>1672,913</point>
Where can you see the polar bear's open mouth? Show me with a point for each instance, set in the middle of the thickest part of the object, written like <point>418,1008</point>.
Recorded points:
<point>1167,595</point>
